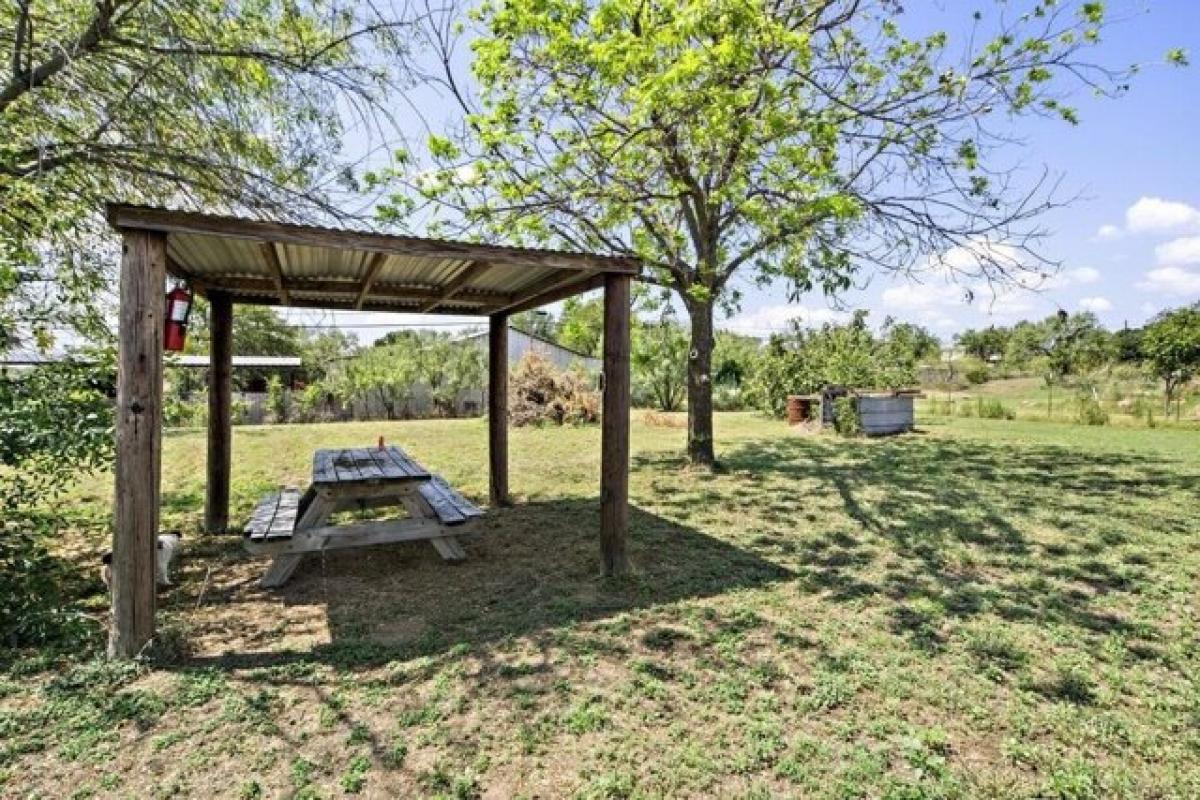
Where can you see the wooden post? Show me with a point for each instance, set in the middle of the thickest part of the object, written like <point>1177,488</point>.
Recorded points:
<point>220,444</point>
<point>498,408</point>
<point>614,430</point>
<point>139,426</point>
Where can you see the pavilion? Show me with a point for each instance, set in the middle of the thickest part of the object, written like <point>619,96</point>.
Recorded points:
<point>233,260</point>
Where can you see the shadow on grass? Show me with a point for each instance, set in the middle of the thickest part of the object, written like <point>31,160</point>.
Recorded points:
<point>534,569</point>
<point>949,522</point>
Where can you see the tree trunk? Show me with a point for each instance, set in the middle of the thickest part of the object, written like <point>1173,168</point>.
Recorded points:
<point>700,404</point>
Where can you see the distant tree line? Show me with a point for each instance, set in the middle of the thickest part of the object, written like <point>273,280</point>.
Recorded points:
<point>1063,346</point>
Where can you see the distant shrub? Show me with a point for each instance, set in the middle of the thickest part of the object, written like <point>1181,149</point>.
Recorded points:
<point>178,413</point>
<point>991,408</point>
<point>728,398</point>
<point>277,399</point>
<point>976,374</point>
<point>1090,412</point>
<point>940,408</point>
<point>985,408</point>
<point>540,393</point>
<point>845,417</point>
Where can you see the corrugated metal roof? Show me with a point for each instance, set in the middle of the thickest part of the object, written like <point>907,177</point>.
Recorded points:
<point>340,268</point>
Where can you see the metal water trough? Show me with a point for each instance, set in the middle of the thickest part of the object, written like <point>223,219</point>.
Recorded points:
<point>883,415</point>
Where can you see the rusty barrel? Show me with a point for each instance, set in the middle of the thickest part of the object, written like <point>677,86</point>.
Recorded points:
<point>799,409</point>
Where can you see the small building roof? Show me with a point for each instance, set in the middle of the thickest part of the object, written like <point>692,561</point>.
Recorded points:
<point>28,358</point>
<point>535,337</point>
<point>273,263</point>
<point>247,362</point>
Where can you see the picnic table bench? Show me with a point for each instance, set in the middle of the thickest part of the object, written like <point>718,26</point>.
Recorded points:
<point>288,524</point>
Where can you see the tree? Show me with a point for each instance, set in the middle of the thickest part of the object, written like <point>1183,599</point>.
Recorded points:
<point>909,342</point>
<point>1171,346</point>
<point>1062,345</point>
<point>659,363</point>
<point>448,368</point>
<point>581,325</point>
<point>225,105</point>
<point>1127,345</point>
<point>536,322</point>
<point>733,358</point>
<point>804,361</point>
<point>322,351</point>
<point>181,103</point>
<point>48,437</point>
<point>799,141</point>
<point>987,344</point>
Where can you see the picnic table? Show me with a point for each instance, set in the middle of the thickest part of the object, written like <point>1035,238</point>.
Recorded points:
<point>288,524</point>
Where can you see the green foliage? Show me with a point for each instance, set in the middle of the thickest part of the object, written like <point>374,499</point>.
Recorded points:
<point>734,357</point>
<point>393,372</point>
<point>803,361</point>
<point>581,325</point>
<point>536,322</point>
<point>257,331</point>
<point>659,364</point>
<point>986,408</point>
<point>985,344</point>
<point>187,102</point>
<point>709,137</point>
<point>57,424</point>
<point>1062,345</point>
<point>321,352</point>
<point>1090,412</point>
<point>845,417</point>
<point>975,372</point>
<point>1171,346</point>
<point>277,399</point>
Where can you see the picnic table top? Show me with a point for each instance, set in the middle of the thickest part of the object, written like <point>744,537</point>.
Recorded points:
<point>365,465</point>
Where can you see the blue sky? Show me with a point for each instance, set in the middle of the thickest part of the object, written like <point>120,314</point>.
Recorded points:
<point>1129,245</point>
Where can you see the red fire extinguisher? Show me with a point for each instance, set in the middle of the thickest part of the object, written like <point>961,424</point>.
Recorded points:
<point>179,308</point>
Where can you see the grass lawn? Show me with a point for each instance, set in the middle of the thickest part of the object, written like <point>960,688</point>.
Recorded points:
<point>982,609</point>
<point>1031,399</point>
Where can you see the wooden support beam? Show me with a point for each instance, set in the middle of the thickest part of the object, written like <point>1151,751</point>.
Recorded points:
<point>498,408</point>
<point>220,437</point>
<point>273,264</point>
<point>376,264</point>
<point>553,287</point>
<point>614,427</point>
<point>561,292</point>
<point>138,434</point>
<point>459,282</point>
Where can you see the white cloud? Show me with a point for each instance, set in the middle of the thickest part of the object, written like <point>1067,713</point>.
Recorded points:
<point>1096,304</point>
<point>769,319</point>
<point>1083,275</point>
<point>1007,303</point>
<point>1171,280</point>
<point>1077,276</point>
<point>1155,215</point>
<point>923,297</point>
<point>975,258</point>
<point>1179,251</point>
<point>1108,232</point>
